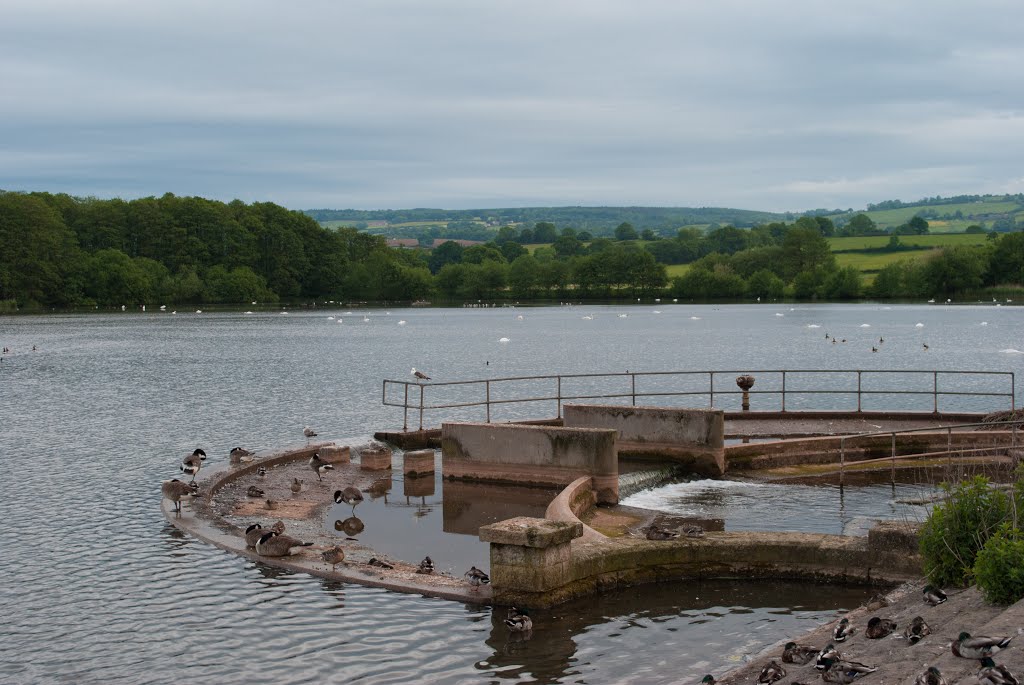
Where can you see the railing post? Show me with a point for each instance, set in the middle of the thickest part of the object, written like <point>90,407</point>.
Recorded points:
<point>633,389</point>
<point>405,418</point>
<point>892,476</point>
<point>935,392</point>
<point>558,397</point>
<point>421,407</point>
<point>842,458</point>
<point>487,386</point>
<point>949,445</point>
<point>1013,392</point>
<point>783,391</point>
<point>858,391</point>
<point>711,387</point>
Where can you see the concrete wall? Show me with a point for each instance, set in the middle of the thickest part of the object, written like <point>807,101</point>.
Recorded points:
<point>531,455</point>
<point>694,438</point>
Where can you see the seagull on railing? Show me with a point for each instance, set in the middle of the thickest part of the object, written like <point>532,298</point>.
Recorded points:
<point>420,375</point>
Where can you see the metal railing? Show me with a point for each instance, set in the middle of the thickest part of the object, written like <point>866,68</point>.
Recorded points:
<point>784,384</point>
<point>1011,444</point>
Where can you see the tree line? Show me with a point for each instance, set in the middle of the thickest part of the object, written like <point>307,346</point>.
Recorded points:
<point>61,251</point>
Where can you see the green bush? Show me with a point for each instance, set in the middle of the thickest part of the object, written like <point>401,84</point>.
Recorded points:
<point>957,529</point>
<point>999,568</point>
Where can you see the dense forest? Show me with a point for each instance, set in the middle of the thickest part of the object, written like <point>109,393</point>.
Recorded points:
<point>61,251</point>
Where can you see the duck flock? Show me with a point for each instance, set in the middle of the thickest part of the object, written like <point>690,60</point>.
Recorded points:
<point>832,666</point>
<point>273,541</point>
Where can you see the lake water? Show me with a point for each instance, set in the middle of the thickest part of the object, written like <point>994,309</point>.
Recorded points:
<point>99,589</point>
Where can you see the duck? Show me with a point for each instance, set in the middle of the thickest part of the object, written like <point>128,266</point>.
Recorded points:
<point>476,577</point>
<point>309,433</point>
<point>879,628</point>
<point>518,621</point>
<point>261,472</point>
<point>771,672</point>
<point>426,566</point>
<point>254,532</point>
<point>239,454</point>
<point>708,680</point>
<point>991,674</point>
<point>874,349</point>
<point>191,464</point>
<point>693,531</point>
<point>273,544</point>
<point>319,465</point>
<point>931,677</point>
<point>253,491</point>
<point>174,490</point>
<point>296,486</point>
<point>333,556</point>
<point>656,532</point>
<point>842,631</point>
<point>916,630</point>
<point>978,647</point>
<point>271,504</point>
<point>379,564</point>
<point>844,671</point>
<point>933,595</point>
<point>798,654</point>
<point>826,656</point>
<point>349,495</point>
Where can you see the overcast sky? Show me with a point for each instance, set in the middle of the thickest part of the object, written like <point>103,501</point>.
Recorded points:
<point>462,104</point>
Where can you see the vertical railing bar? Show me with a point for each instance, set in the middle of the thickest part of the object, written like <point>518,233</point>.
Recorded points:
<point>783,391</point>
<point>859,405</point>
<point>842,458</point>
<point>421,407</point>
<point>487,394</point>
<point>892,476</point>
<point>633,378</point>
<point>405,418</point>
<point>558,395</point>
<point>711,387</point>
<point>935,392</point>
<point>949,446</point>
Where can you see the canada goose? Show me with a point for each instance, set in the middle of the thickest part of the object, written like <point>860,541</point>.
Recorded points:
<point>349,495</point>
<point>333,556</point>
<point>174,490</point>
<point>253,491</point>
<point>273,544</point>
<point>426,566</point>
<point>476,577</point>
<point>319,465</point>
<point>191,464</point>
<point>518,620</point>
<point>296,486</point>
<point>420,375</point>
<point>254,532</point>
<point>309,433</point>
<point>239,454</point>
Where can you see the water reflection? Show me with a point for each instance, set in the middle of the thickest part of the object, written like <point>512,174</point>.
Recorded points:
<point>467,506</point>
<point>352,526</point>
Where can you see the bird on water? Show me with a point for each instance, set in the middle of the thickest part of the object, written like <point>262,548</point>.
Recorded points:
<point>191,464</point>
<point>349,495</point>
<point>319,465</point>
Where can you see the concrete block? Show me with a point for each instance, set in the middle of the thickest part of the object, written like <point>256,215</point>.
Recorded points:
<point>530,532</point>
<point>375,458</point>
<point>418,463</point>
<point>335,454</point>
<point>894,536</point>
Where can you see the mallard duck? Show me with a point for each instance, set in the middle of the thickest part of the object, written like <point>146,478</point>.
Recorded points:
<point>933,595</point>
<point>978,647</point>
<point>879,628</point>
<point>333,556</point>
<point>991,674</point>
<point>273,544</point>
<point>296,486</point>
<point>518,621</point>
<point>655,532</point>
<point>708,679</point>
<point>174,490</point>
<point>349,495</point>
<point>771,672</point>
<point>379,564</point>
<point>191,464</point>
<point>254,532</point>
<point>239,454</point>
<point>476,577</point>
<point>930,677</point>
<point>826,656</point>
<point>693,532</point>
<point>844,671</point>
<point>916,630</point>
<point>426,566</point>
<point>309,433</point>
<point>842,631</point>
<point>254,491</point>
<point>319,465</point>
<point>798,654</point>
<point>261,471</point>
<point>271,504</point>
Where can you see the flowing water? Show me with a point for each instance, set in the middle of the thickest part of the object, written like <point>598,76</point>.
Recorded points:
<point>98,588</point>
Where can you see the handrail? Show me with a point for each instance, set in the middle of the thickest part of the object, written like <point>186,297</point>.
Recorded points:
<point>558,395</point>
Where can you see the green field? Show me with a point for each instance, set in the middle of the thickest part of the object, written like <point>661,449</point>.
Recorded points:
<point>941,240</point>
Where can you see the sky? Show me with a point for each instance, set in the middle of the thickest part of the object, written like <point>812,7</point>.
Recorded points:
<point>373,104</point>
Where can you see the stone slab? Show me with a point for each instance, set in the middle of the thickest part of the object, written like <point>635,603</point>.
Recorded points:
<point>530,532</point>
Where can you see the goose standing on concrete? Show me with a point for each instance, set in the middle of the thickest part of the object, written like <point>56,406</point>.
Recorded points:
<point>191,464</point>
<point>309,433</point>
<point>174,490</point>
<point>420,375</point>
<point>273,544</point>
<point>476,577</point>
<point>319,465</point>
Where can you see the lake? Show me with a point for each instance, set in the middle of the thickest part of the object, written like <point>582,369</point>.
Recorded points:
<point>100,589</point>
